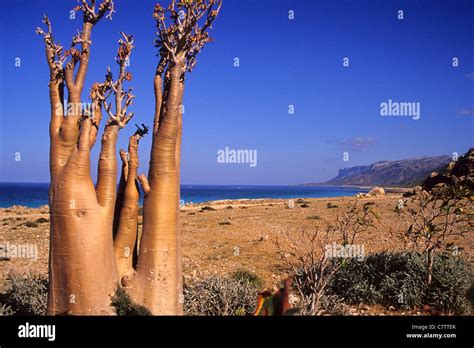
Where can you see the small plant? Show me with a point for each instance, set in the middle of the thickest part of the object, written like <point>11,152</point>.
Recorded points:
<point>353,221</point>
<point>311,267</point>
<point>435,220</point>
<point>452,278</point>
<point>331,206</point>
<point>304,205</point>
<point>5,310</point>
<point>41,221</point>
<point>220,296</point>
<point>243,276</point>
<point>124,305</point>
<point>26,294</point>
<point>225,223</point>
<point>30,224</point>
<point>313,217</point>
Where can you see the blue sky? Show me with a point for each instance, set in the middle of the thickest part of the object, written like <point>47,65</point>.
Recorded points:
<point>282,62</point>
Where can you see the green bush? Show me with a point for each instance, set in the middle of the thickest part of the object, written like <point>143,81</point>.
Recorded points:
<point>399,279</point>
<point>124,305</point>
<point>26,295</point>
<point>470,295</point>
<point>451,281</point>
<point>386,278</point>
<point>243,276</point>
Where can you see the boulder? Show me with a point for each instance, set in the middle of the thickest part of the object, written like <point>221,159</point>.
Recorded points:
<point>376,192</point>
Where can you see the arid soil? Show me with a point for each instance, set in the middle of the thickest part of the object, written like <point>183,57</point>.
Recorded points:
<point>223,236</point>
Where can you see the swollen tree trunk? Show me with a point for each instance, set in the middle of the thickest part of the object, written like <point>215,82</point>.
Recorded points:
<point>81,240</point>
<point>82,269</point>
<point>159,280</point>
<point>80,245</point>
<point>158,283</point>
<point>94,230</point>
<point>125,239</point>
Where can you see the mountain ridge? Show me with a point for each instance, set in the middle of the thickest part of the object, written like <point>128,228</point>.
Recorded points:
<point>404,172</point>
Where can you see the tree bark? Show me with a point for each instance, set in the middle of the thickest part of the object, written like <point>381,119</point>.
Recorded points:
<point>94,230</point>
<point>158,281</point>
<point>127,229</point>
<point>81,240</point>
<point>82,270</point>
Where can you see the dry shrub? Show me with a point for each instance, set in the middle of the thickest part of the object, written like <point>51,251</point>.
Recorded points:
<point>220,296</point>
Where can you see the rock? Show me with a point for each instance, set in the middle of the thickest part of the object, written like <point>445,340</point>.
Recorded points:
<point>376,192</point>
<point>457,173</point>
<point>206,207</point>
<point>263,238</point>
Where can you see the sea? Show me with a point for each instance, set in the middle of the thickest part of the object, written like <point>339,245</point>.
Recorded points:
<point>34,195</point>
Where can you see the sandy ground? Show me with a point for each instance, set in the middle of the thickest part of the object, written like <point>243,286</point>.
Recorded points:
<point>239,234</point>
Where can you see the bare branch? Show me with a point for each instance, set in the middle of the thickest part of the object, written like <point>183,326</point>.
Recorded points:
<point>54,51</point>
<point>123,99</point>
<point>142,179</point>
<point>90,15</point>
<point>184,37</point>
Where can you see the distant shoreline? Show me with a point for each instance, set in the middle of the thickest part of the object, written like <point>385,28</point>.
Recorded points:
<point>387,188</point>
<point>36,195</point>
<point>219,203</point>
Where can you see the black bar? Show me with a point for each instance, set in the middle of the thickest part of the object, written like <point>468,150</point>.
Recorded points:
<point>288,330</point>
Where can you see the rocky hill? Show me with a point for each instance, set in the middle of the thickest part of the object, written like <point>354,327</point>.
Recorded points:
<point>458,173</point>
<point>406,172</point>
